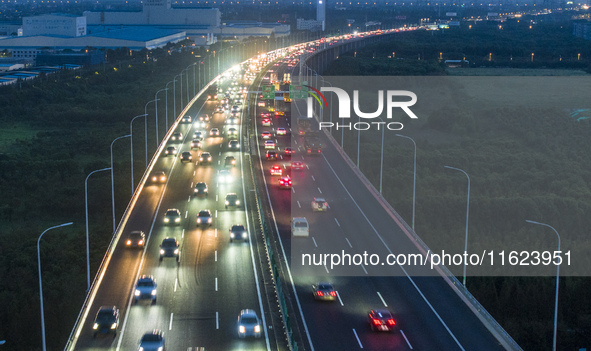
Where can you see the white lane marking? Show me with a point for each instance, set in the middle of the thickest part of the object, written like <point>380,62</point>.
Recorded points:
<point>362,266</point>
<point>170,324</point>
<point>215,233</point>
<point>339,224</point>
<point>314,240</point>
<point>216,285</point>
<point>217,320</point>
<point>191,184</point>
<point>186,214</point>
<point>348,242</point>
<point>381,298</point>
<point>409,345</point>
<point>300,206</point>
<point>292,190</point>
<point>176,283</point>
<point>189,199</point>
<point>390,251</point>
<point>216,255</point>
<point>320,191</point>
<point>193,173</point>
<point>308,167</point>
<point>216,213</point>
<point>183,234</point>
<point>339,297</point>
<point>357,337</point>
<point>216,198</point>
<point>314,179</point>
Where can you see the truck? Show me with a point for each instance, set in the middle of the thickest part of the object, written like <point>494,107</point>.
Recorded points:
<point>304,125</point>
<point>312,143</point>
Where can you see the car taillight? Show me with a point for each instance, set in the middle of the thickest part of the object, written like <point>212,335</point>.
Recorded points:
<point>333,293</point>
<point>309,151</point>
<point>128,242</point>
<point>391,322</point>
<point>319,293</point>
<point>377,322</point>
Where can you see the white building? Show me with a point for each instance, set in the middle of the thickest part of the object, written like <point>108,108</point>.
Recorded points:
<point>304,24</point>
<point>321,13</point>
<point>54,24</point>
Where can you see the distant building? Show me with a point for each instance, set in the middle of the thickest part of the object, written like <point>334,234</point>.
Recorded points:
<point>54,24</point>
<point>311,25</point>
<point>62,59</point>
<point>321,13</point>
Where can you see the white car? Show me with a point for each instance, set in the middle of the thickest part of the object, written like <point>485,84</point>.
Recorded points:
<point>153,341</point>
<point>249,324</point>
<point>300,226</point>
<point>145,288</point>
<point>269,144</point>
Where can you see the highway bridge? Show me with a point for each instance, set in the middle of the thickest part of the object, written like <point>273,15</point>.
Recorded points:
<point>200,297</point>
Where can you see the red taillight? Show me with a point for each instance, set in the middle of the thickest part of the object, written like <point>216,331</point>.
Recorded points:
<point>319,293</point>
<point>309,151</point>
<point>376,322</point>
<point>391,322</point>
<point>128,242</point>
<point>141,242</point>
<point>333,293</point>
<point>318,150</point>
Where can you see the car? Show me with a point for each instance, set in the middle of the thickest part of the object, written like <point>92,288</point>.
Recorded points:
<point>204,218</point>
<point>232,120</point>
<point>238,232</point>
<point>176,136</point>
<point>145,288</point>
<point>106,321</point>
<point>186,119</point>
<point>279,113</point>
<point>234,144</point>
<point>170,248</point>
<point>186,156</point>
<point>152,341</point>
<point>198,136</point>
<point>266,135</point>
<point>297,165</point>
<point>271,155</point>
<point>288,151</point>
<point>281,131</point>
<point>324,292</point>
<point>235,108</point>
<point>381,320</point>
<point>195,144</point>
<point>276,170</point>
<point>265,115</point>
<point>261,104</point>
<point>269,144</point>
<point>224,176</point>
<point>285,182</point>
<point>214,132</point>
<point>205,157</point>
<point>249,324</point>
<point>230,161</point>
<point>266,122</point>
<point>172,216</point>
<point>204,118</point>
<point>200,189</point>
<point>232,132</point>
<point>219,109</point>
<point>136,238</point>
<point>319,204</point>
<point>300,226</point>
<point>232,200</point>
<point>200,124</point>
<point>158,177</point>
<point>171,150</point>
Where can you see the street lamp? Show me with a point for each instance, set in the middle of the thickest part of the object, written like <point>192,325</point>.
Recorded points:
<point>166,110</point>
<point>156,109</point>
<point>557,276</point>
<point>467,212</point>
<point>414,179</point>
<point>86,208</point>
<point>113,179</point>
<point>41,285</point>
<point>131,133</point>
<point>146,128</point>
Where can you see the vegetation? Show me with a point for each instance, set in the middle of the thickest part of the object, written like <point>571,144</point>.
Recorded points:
<point>525,161</point>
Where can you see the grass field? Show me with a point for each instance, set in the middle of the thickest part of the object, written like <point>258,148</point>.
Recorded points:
<point>11,133</point>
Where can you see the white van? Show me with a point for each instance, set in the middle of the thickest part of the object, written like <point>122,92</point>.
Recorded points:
<point>300,227</point>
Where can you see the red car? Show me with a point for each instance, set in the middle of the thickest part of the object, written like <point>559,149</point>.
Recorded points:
<point>276,170</point>
<point>297,165</point>
<point>285,183</point>
<point>265,115</point>
<point>381,320</point>
<point>288,151</point>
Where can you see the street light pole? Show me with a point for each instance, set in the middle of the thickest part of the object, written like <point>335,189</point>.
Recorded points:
<point>156,109</point>
<point>41,284</point>
<point>414,179</point>
<point>86,208</point>
<point>131,142</point>
<point>467,212</point>
<point>113,179</point>
<point>167,104</point>
<point>557,281</point>
<point>146,129</point>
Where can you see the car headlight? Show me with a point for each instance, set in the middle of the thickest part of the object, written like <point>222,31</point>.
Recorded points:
<point>227,202</point>
<point>176,251</point>
<point>195,190</point>
<point>141,242</point>
<point>177,220</point>
<point>114,326</point>
<point>137,292</point>
<point>237,202</point>
<point>161,251</point>
<point>241,329</point>
<point>200,158</point>
<point>154,179</point>
<point>95,326</point>
<point>166,219</point>
<point>128,242</point>
<point>209,220</point>
<point>257,328</point>
<point>154,292</point>
<point>163,179</point>
<point>232,235</point>
<point>160,348</point>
